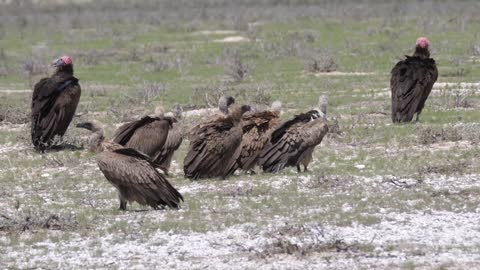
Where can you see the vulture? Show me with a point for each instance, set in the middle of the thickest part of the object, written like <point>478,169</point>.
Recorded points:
<point>131,172</point>
<point>293,142</point>
<point>224,102</point>
<point>54,102</point>
<point>174,140</point>
<point>213,144</point>
<point>147,135</point>
<point>257,128</point>
<point>411,82</point>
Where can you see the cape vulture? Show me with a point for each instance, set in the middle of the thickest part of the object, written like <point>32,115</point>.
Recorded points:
<point>411,82</point>
<point>174,139</point>
<point>213,144</point>
<point>54,102</point>
<point>147,135</point>
<point>257,128</point>
<point>293,142</point>
<point>131,172</point>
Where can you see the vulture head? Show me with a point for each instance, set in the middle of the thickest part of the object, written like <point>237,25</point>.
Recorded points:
<point>313,114</point>
<point>159,112</point>
<point>93,126</point>
<point>422,42</point>
<point>177,111</point>
<point>224,102</point>
<point>421,47</point>
<point>64,63</point>
<point>276,106</point>
<point>238,111</point>
<point>323,104</point>
<point>96,139</point>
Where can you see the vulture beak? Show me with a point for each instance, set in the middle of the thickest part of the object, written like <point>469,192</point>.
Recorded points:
<point>85,125</point>
<point>58,63</point>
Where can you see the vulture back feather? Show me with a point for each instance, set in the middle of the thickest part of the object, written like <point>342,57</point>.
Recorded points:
<point>411,82</point>
<point>293,142</point>
<point>147,135</point>
<point>132,173</point>
<point>54,101</point>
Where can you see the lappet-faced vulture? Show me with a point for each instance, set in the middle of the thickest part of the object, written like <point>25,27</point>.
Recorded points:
<point>54,102</point>
<point>293,142</point>
<point>174,139</point>
<point>257,128</point>
<point>147,135</point>
<point>213,144</point>
<point>411,82</point>
<point>131,172</point>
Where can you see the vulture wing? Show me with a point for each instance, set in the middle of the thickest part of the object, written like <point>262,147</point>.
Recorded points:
<point>411,83</point>
<point>147,135</point>
<point>211,149</point>
<point>288,149</point>
<point>174,140</point>
<point>54,102</point>
<point>134,175</point>
<point>257,128</point>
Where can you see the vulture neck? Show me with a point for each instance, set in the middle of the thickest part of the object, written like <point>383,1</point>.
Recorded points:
<point>67,69</point>
<point>224,110</point>
<point>98,143</point>
<point>421,52</point>
<point>236,115</point>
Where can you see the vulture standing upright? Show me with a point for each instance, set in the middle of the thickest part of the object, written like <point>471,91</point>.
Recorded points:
<point>213,144</point>
<point>54,102</point>
<point>411,83</point>
<point>174,140</point>
<point>257,128</point>
<point>147,135</point>
<point>293,142</point>
<point>131,172</point>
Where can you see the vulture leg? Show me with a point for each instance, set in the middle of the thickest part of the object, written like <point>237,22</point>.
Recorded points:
<point>418,117</point>
<point>123,203</point>
<point>298,168</point>
<point>305,169</point>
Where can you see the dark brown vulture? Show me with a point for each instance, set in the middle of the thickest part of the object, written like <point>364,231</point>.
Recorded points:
<point>411,83</point>
<point>131,172</point>
<point>174,140</point>
<point>223,104</point>
<point>147,135</point>
<point>257,128</point>
<point>293,142</point>
<point>54,102</point>
<point>213,145</point>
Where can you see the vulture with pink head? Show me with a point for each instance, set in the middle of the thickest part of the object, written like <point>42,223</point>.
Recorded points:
<point>411,83</point>
<point>54,102</point>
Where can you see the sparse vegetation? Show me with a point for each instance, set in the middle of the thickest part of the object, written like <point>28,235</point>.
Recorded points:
<point>377,195</point>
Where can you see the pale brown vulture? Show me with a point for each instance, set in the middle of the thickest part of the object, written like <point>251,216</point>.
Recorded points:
<point>213,145</point>
<point>54,102</point>
<point>411,83</point>
<point>147,135</point>
<point>293,142</point>
<point>174,139</point>
<point>131,172</point>
<point>257,128</point>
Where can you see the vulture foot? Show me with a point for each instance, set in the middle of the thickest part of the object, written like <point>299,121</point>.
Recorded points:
<point>123,205</point>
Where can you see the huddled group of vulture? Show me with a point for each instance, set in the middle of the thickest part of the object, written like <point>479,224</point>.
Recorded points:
<point>137,159</point>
